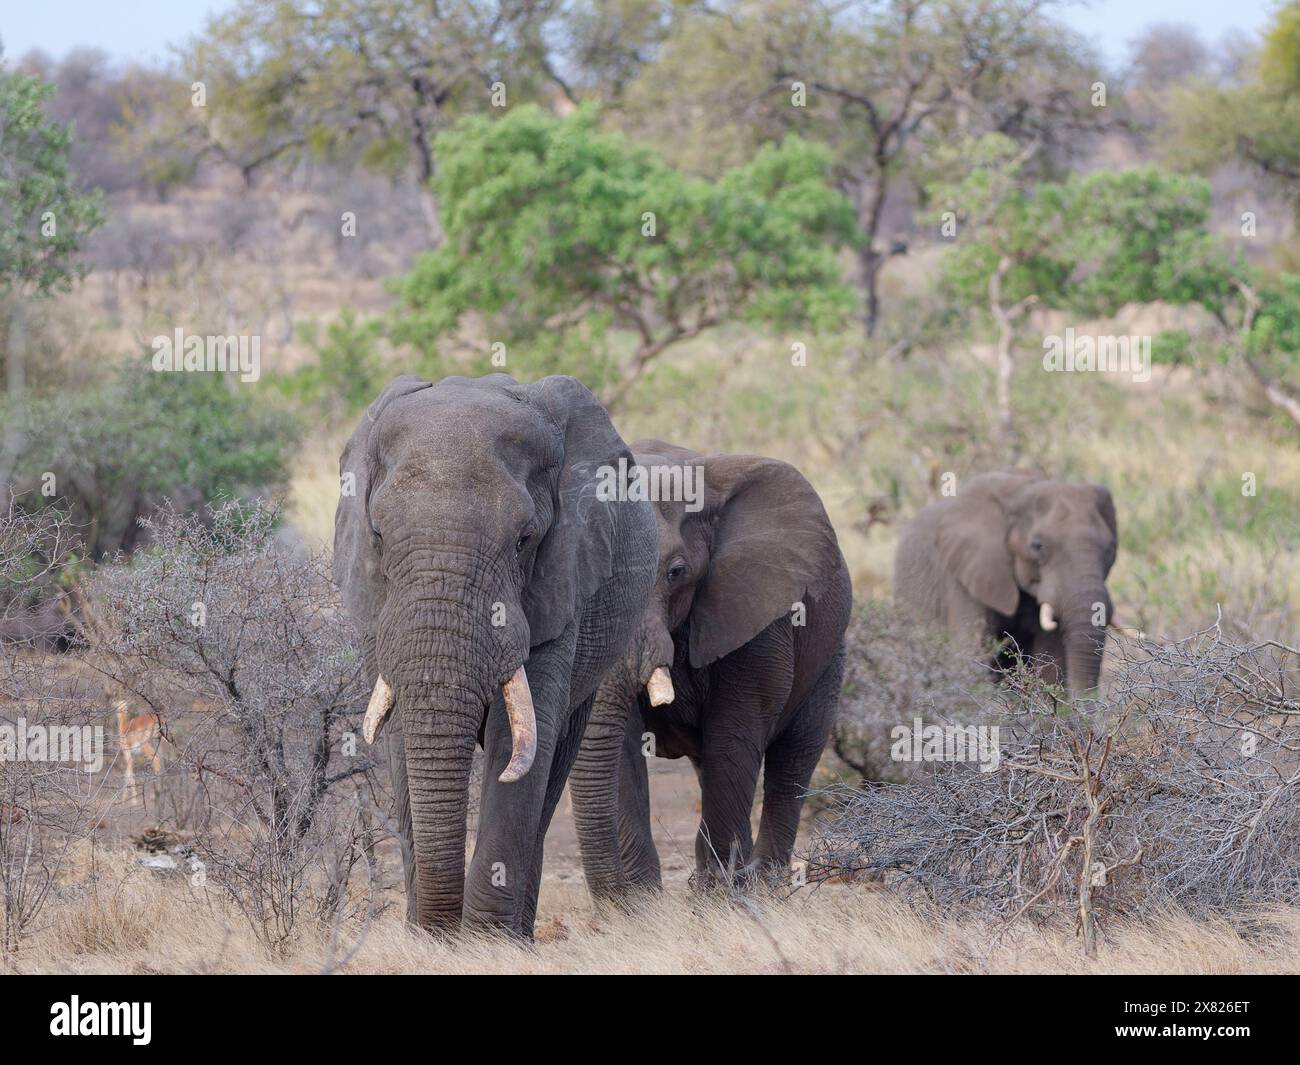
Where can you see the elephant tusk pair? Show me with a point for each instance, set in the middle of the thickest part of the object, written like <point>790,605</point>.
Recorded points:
<point>519,709</point>
<point>660,687</point>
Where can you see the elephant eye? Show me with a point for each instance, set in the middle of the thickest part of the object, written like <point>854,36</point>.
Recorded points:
<point>1035,547</point>
<point>523,540</point>
<point>676,570</point>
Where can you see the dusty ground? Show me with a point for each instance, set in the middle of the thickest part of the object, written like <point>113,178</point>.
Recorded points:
<point>133,920</point>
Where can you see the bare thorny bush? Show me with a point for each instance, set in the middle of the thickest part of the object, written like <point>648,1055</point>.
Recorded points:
<point>1175,787</point>
<point>240,647</point>
<point>49,794</point>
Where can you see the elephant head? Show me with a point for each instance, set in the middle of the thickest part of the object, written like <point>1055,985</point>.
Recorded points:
<point>467,541</point>
<point>754,544</point>
<point>1020,542</point>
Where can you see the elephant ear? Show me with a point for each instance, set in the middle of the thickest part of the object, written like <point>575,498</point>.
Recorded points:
<point>578,555</point>
<point>356,563</point>
<point>972,539</point>
<point>772,546</point>
<point>1106,508</point>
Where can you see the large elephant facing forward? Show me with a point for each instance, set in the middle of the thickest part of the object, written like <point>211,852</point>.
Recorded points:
<point>737,666</point>
<point>1017,555</point>
<point>493,584</point>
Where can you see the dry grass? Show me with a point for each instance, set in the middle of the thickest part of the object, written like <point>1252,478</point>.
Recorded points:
<point>149,923</point>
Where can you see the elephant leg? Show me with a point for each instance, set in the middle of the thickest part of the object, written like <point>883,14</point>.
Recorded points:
<point>402,811</point>
<point>728,777</point>
<point>401,818</point>
<point>511,815</point>
<point>788,768</point>
<point>635,838</point>
<point>597,789</point>
<point>566,754</point>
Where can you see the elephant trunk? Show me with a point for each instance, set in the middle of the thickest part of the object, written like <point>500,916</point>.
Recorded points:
<point>1083,629</point>
<point>655,658</point>
<point>444,663</point>
<point>440,726</point>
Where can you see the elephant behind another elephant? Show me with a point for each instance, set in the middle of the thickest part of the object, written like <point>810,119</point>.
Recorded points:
<point>1016,555</point>
<point>737,667</point>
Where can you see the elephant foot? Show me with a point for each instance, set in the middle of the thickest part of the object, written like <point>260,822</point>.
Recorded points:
<point>737,882</point>
<point>628,896</point>
<point>492,923</point>
<point>777,878</point>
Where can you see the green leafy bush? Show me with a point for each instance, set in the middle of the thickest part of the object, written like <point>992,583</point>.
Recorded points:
<point>348,372</point>
<point>558,233</point>
<point>118,448</point>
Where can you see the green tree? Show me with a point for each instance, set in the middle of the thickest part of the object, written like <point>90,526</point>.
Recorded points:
<point>367,80</point>
<point>348,371</point>
<point>558,232</point>
<point>1254,122</point>
<point>44,220</point>
<point>879,83</point>
<point>118,449</point>
<point>604,45</point>
<point>1268,339</point>
<point>1089,244</point>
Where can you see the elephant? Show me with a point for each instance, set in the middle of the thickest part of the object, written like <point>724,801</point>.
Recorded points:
<point>48,626</point>
<point>493,585</point>
<point>1017,555</point>
<point>737,666</point>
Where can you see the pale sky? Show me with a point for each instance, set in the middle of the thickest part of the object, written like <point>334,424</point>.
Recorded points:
<point>142,29</point>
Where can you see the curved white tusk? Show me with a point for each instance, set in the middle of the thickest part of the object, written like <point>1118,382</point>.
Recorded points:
<point>1046,619</point>
<point>381,704</point>
<point>523,727</point>
<point>660,687</point>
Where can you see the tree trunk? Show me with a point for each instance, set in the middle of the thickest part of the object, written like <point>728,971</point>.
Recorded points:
<point>869,263</point>
<point>1276,392</point>
<point>871,209</point>
<point>432,218</point>
<point>14,439</point>
<point>1006,361</point>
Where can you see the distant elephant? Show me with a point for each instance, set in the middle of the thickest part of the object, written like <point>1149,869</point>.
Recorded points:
<point>1017,555</point>
<point>737,667</point>
<point>48,626</point>
<point>493,586</point>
